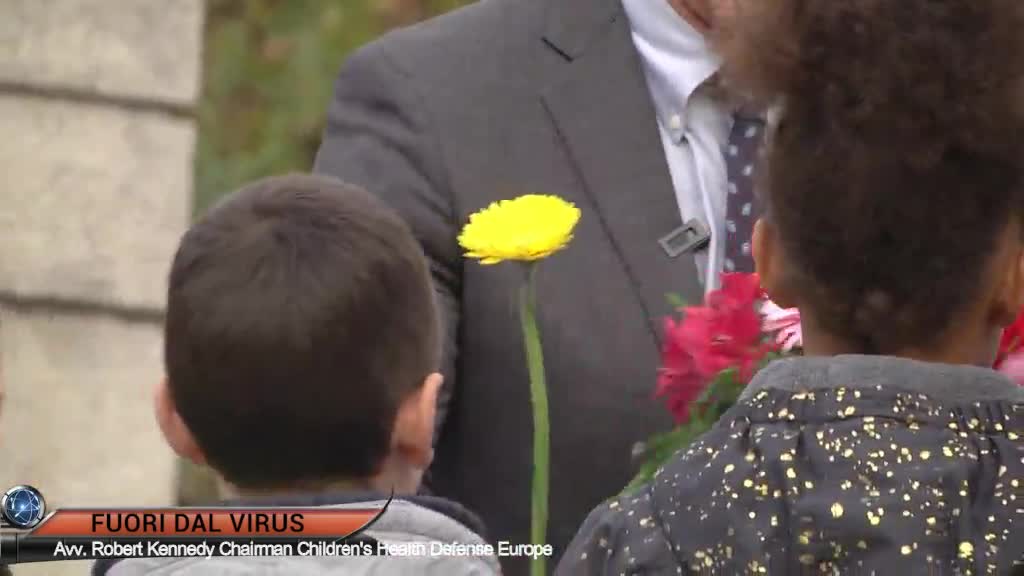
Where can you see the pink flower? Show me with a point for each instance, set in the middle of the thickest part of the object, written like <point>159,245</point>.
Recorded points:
<point>784,323</point>
<point>1013,367</point>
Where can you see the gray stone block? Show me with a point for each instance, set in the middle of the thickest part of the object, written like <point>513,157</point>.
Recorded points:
<point>71,568</point>
<point>77,421</point>
<point>93,202</point>
<point>146,49</point>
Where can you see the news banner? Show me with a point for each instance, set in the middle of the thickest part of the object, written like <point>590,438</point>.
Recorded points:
<point>95,534</point>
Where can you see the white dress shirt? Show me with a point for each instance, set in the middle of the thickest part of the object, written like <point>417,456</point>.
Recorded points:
<point>694,126</point>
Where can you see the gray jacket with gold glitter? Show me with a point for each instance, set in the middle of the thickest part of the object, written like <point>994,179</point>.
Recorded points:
<point>843,465</point>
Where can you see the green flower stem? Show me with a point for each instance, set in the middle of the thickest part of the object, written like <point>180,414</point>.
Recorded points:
<point>541,420</point>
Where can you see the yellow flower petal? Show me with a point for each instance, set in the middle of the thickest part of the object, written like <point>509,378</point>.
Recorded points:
<point>527,228</point>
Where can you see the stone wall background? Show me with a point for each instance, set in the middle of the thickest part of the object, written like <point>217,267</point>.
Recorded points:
<point>97,106</point>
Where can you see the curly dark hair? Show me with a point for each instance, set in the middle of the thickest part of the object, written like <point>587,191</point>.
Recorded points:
<point>896,164</point>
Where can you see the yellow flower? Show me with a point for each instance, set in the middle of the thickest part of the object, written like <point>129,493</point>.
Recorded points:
<point>527,228</point>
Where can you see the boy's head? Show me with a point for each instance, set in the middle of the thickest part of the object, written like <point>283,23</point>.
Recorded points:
<point>895,178</point>
<point>302,340</point>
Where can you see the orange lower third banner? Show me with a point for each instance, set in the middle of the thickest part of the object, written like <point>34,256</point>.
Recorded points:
<point>206,522</point>
<point>94,534</point>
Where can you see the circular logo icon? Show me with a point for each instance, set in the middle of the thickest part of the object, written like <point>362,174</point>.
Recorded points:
<point>23,506</point>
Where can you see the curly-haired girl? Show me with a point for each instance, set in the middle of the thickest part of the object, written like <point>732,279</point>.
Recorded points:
<point>894,196</point>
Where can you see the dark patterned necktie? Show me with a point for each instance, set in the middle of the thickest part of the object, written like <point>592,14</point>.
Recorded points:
<point>741,210</point>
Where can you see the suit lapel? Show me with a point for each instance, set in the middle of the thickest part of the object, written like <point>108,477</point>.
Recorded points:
<point>601,107</point>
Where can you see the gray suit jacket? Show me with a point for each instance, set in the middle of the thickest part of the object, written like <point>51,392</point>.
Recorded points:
<point>499,99</point>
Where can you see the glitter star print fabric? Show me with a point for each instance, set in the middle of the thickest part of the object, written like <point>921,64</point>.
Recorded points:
<point>846,466</point>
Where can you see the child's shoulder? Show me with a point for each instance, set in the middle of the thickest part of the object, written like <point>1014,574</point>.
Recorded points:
<point>876,470</point>
<point>440,516</point>
<point>626,534</point>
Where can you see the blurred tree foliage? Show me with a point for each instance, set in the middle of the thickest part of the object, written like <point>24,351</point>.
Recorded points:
<point>269,71</point>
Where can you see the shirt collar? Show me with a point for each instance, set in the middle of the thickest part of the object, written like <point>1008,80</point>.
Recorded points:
<point>676,59</point>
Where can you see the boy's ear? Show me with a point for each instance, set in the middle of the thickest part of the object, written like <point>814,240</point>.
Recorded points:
<point>413,436</point>
<point>768,260</point>
<point>175,432</point>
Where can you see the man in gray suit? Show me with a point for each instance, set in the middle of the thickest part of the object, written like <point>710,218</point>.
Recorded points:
<point>610,104</point>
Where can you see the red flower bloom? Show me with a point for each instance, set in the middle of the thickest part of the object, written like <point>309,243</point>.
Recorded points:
<point>679,382</point>
<point>724,333</point>
<point>1012,340</point>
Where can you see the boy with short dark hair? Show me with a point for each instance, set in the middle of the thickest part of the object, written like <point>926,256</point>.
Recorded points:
<point>302,347</point>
